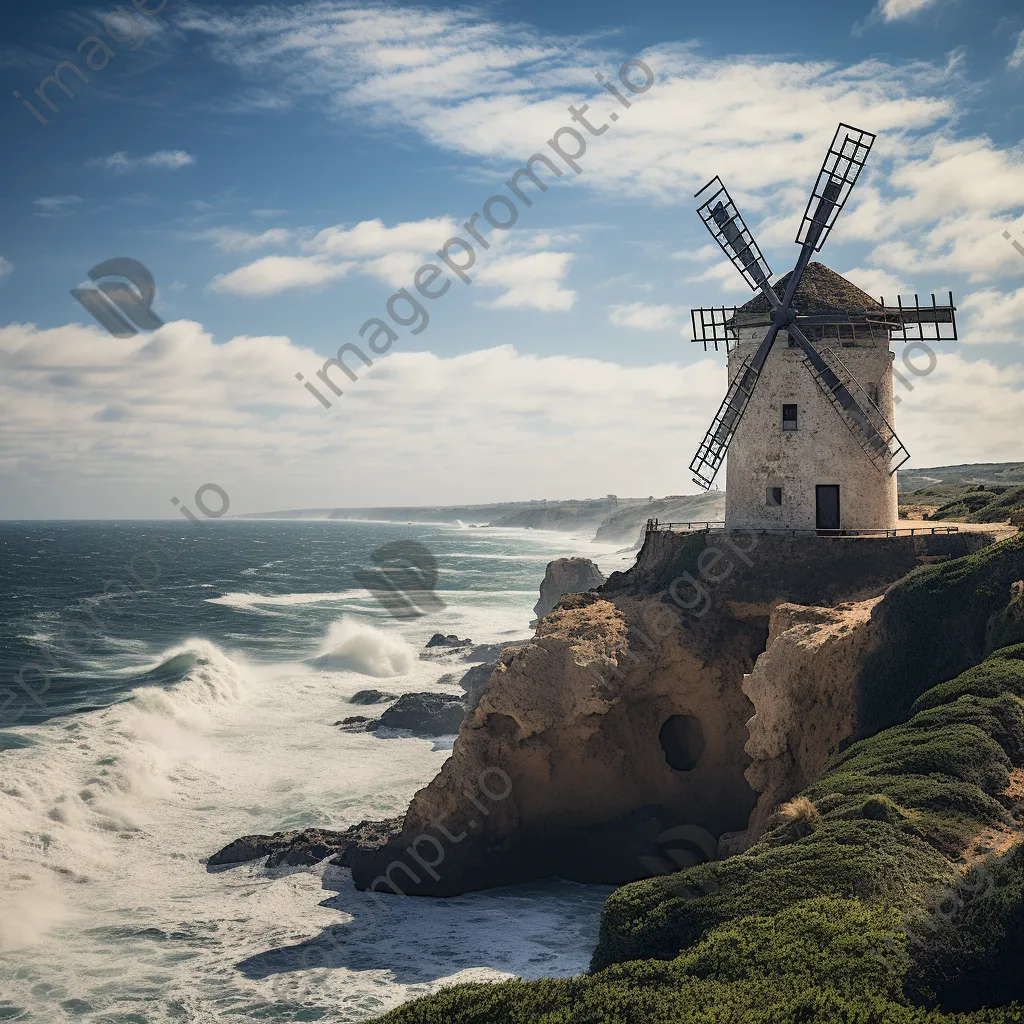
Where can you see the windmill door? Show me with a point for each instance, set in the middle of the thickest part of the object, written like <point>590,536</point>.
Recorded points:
<point>827,496</point>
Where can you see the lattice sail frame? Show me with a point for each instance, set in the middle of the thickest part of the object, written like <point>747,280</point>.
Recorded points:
<point>712,450</point>
<point>876,436</point>
<point>729,230</point>
<point>903,319</point>
<point>838,175</point>
<point>712,324</point>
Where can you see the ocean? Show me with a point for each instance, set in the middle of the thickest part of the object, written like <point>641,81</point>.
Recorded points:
<point>185,682</point>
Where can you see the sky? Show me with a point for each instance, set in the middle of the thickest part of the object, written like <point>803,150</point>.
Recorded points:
<point>283,170</point>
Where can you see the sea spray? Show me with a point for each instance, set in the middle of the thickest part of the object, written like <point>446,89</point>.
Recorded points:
<point>358,647</point>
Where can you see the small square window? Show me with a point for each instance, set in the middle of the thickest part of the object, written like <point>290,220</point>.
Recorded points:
<point>774,496</point>
<point>873,393</point>
<point>789,419</point>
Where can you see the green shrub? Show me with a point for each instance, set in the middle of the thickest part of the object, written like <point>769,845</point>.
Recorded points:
<point>872,860</point>
<point>1000,673</point>
<point>820,961</point>
<point>933,624</point>
<point>973,957</point>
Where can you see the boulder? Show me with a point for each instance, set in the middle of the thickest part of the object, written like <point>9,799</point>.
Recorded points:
<point>308,846</point>
<point>423,714</point>
<point>566,576</point>
<point>372,697</point>
<point>355,723</point>
<point>440,640</point>
<point>475,681</point>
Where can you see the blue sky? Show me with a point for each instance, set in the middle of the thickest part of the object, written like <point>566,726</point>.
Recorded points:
<point>283,169</point>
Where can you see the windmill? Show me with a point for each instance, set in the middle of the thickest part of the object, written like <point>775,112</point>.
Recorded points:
<point>811,306</point>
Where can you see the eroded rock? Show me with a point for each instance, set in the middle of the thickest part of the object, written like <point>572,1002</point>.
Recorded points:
<point>372,697</point>
<point>424,714</point>
<point>566,576</point>
<point>306,847</point>
<point>804,690</point>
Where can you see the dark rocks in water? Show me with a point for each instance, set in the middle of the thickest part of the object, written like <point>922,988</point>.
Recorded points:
<point>354,723</point>
<point>440,640</point>
<point>566,576</point>
<point>492,652</point>
<point>366,837</point>
<point>424,714</point>
<point>372,697</point>
<point>308,846</point>
<point>465,650</point>
<point>475,681</point>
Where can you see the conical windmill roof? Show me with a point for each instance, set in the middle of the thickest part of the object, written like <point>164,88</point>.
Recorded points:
<point>821,291</point>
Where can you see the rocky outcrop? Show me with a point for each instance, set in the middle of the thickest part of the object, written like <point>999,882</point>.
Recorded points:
<point>372,697</point>
<point>475,681</point>
<point>561,768</point>
<point>625,717</point>
<point>566,576</point>
<point>804,691</point>
<point>305,847</point>
<point>423,714</point>
<point>451,640</point>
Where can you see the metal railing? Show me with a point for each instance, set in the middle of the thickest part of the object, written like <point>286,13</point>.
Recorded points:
<point>699,527</point>
<point>654,526</point>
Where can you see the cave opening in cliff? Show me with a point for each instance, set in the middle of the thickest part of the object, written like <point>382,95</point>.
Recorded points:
<point>682,739</point>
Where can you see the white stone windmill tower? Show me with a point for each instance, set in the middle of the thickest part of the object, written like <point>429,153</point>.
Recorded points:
<point>809,432</point>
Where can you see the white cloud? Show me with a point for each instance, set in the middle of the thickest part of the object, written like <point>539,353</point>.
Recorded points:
<point>493,93</point>
<point>994,317</point>
<point>273,274</point>
<point>53,206</point>
<point>962,412</point>
<point>705,254</point>
<point>391,254</point>
<point>233,240</point>
<point>531,281</point>
<point>646,317</point>
<point>6,267</point>
<point>1016,59</point>
<point>164,159</point>
<point>374,238</point>
<point>106,426</point>
<point>897,10</point>
<point>878,283</point>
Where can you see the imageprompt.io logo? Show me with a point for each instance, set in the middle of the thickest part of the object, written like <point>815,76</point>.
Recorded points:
<point>404,581</point>
<point>123,309</point>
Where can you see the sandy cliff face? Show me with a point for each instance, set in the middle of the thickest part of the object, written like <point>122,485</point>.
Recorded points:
<point>566,576</point>
<point>804,691</point>
<point>627,715</point>
<point>578,729</point>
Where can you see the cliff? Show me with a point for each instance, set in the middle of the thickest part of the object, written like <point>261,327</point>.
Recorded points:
<point>626,716</point>
<point>891,889</point>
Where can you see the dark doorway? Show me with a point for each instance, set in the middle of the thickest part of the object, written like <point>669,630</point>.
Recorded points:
<point>827,496</point>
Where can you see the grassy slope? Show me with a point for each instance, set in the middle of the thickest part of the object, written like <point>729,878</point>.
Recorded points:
<point>809,925</point>
<point>960,503</point>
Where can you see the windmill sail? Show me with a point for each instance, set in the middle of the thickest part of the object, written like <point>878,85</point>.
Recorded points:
<point>713,449</point>
<point>851,401</point>
<point>844,161</point>
<point>728,229</point>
